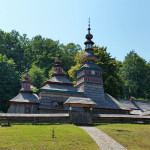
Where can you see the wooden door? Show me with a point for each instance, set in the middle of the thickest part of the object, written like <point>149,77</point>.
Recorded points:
<point>80,117</point>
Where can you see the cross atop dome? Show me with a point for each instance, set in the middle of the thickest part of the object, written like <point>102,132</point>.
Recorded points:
<point>89,27</point>
<point>89,36</point>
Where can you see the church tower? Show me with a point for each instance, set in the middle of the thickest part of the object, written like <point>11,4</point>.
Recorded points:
<point>89,76</point>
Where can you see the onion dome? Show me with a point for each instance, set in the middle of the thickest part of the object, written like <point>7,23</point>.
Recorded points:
<point>58,67</point>
<point>89,54</point>
<point>26,84</point>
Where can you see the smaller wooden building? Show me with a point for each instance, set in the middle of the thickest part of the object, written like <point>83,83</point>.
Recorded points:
<point>84,116</point>
<point>26,101</point>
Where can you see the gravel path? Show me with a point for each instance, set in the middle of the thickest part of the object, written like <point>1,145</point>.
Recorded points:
<point>102,139</point>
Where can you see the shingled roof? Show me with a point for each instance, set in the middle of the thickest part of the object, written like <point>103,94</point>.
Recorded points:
<point>60,79</point>
<point>136,104</point>
<point>59,83</point>
<point>25,98</point>
<point>80,101</point>
<point>90,65</point>
<point>59,87</point>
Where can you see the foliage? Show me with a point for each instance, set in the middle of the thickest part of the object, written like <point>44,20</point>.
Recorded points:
<point>44,52</point>
<point>14,46</point>
<point>39,51</point>
<point>67,137</point>
<point>135,74</point>
<point>35,89</point>
<point>131,136</point>
<point>113,82</point>
<point>37,76</point>
<point>68,53</point>
<point>51,72</point>
<point>147,91</point>
<point>73,71</point>
<point>9,80</point>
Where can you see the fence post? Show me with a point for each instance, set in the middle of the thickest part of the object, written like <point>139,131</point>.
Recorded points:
<point>34,121</point>
<point>70,115</point>
<point>9,124</point>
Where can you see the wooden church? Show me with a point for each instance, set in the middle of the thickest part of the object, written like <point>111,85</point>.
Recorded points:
<point>58,92</point>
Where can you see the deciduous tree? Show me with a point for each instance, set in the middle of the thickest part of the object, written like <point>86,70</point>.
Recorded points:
<point>9,81</point>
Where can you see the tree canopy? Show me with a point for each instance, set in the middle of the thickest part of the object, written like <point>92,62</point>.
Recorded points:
<point>135,72</point>
<point>37,76</point>
<point>9,80</point>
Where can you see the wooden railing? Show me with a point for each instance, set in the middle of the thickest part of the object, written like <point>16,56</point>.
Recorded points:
<point>34,118</point>
<point>65,118</point>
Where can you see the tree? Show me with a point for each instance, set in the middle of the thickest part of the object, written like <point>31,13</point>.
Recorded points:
<point>13,45</point>
<point>51,72</point>
<point>111,68</point>
<point>44,52</point>
<point>68,53</point>
<point>134,72</point>
<point>111,72</point>
<point>73,70</point>
<point>148,81</point>
<point>10,83</point>
<point>37,76</point>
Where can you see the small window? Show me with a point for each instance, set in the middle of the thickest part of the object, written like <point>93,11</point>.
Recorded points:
<point>58,104</point>
<point>27,110</point>
<point>54,104</point>
<point>88,46</point>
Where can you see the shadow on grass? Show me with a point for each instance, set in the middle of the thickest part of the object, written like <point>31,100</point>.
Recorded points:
<point>101,124</point>
<point>40,124</point>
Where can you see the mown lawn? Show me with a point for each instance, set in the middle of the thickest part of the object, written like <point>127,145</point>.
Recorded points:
<point>131,136</point>
<point>40,137</point>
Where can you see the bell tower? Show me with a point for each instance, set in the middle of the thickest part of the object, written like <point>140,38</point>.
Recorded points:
<point>89,76</point>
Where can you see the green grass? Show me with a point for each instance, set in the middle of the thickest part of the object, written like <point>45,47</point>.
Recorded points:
<point>131,136</point>
<point>39,137</point>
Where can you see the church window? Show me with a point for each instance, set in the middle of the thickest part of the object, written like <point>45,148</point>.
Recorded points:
<point>54,104</point>
<point>60,104</point>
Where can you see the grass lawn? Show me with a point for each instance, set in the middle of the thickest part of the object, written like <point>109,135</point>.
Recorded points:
<point>131,136</point>
<point>32,137</point>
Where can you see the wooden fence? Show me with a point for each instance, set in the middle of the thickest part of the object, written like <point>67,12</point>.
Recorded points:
<point>98,118</point>
<point>34,118</point>
<point>66,118</point>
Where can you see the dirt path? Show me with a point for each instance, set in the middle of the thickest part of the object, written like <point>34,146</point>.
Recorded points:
<point>102,139</point>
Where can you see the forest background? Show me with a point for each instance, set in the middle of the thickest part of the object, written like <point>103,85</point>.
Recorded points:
<point>17,52</point>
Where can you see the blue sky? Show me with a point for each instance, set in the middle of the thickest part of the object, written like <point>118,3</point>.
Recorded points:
<point>121,25</point>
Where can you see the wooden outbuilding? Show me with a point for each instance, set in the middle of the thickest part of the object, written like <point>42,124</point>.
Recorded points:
<point>26,101</point>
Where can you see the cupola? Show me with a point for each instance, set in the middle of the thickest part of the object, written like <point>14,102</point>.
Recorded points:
<point>58,67</point>
<point>26,84</point>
